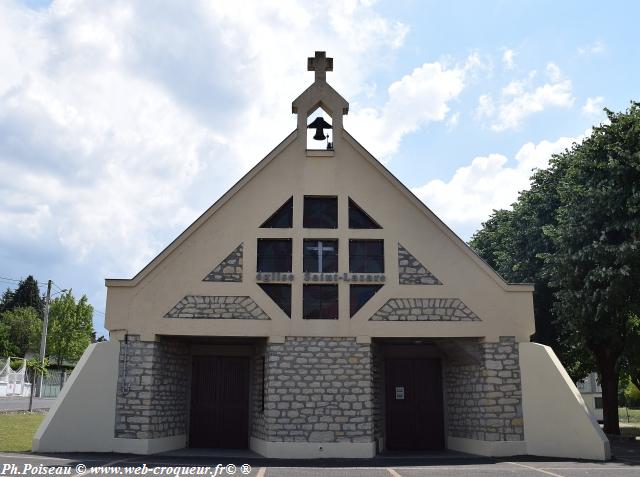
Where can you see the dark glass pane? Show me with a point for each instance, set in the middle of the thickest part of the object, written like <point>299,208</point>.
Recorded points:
<point>274,255</point>
<point>360,294</point>
<point>359,219</point>
<point>320,252</point>
<point>374,247</point>
<point>282,218</point>
<point>375,264</point>
<point>281,294</point>
<point>320,302</point>
<point>320,212</point>
<point>357,263</point>
<point>366,256</point>
<point>330,263</point>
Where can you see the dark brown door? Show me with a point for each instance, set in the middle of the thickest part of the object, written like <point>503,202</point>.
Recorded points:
<point>219,402</point>
<point>414,414</point>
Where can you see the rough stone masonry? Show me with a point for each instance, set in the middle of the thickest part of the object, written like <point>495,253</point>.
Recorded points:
<point>152,391</point>
<point>318,390</point>
<point>484,398</point>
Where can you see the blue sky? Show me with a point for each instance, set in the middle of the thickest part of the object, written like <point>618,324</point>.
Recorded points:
<point>121,122</point>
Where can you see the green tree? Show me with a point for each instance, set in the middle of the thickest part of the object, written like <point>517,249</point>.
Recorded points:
<point>595,266</point>
<point>631,356</point>
<point>26,295</point>
<point>6,300</point>
<point>20,331</point>
<point>514,243</point>
<point>70,327</point>
<point>7,348</point>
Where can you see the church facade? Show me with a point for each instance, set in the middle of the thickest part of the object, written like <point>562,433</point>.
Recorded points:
<point>319,309</point>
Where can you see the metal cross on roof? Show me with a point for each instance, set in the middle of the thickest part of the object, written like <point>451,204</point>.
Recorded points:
<point>320,64</point>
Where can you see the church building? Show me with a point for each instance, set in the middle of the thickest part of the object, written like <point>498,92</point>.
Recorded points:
<point>319,309</point>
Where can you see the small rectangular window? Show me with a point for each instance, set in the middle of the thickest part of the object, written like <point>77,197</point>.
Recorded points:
<point>274,255</point>
<point>320,213</point>
<point>320,302</point>
<point>320,256</point>
<point>598,402</point>
<point>366,256</point>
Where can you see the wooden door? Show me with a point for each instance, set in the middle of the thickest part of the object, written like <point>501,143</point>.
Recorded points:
<point>219,402</point>
<point>414,408</point>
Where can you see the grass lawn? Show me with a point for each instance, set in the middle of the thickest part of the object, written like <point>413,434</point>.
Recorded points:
<point>634,415</point>
<point>16,431</point>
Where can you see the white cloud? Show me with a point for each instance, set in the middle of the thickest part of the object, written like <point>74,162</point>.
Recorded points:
<point>520,99</point>
<point>453,121</point>
<point>595,48</point>
<point>416,99</point>
<point>487,183</point>
<point>120,122</point>
<point>508,56</point>
<point>593,106</point>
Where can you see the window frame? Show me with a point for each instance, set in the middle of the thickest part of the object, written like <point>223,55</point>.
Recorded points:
<point>334,254</point>
<point>310,286</point>
<point>306,219</point>
<point>259,256</point>
<point>366,256</point>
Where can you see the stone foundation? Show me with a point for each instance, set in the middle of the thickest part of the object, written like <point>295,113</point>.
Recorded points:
<point>484,398</point>
<point>152,391</point>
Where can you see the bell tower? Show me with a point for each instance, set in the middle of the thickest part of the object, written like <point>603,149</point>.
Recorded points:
<point>320,95</point>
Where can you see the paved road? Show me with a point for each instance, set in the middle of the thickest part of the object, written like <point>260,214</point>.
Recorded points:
<point>378,467</point>
<point>22,403</point>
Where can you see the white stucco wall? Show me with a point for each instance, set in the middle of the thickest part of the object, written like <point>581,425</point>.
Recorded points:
<point>82,417</point>
<point>557,422</point>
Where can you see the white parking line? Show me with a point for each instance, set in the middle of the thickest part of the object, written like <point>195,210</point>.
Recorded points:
<point>535,468</point>
<point>393,472</point>
<point>261,472</point>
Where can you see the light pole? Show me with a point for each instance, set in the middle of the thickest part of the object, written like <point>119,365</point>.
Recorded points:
<point>45,324</point>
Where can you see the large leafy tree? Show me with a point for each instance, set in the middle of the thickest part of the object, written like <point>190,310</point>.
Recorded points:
<point>514,243</point>
<point>70,327</point>
<point>595,266</point>
<point>631,357</point>
<point>20,331</point>
<point>27,294</point>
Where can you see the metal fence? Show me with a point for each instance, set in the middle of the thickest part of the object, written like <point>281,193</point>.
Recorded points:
<point>52,383</point>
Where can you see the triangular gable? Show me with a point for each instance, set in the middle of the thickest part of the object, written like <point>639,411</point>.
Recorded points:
<point>374,162</point>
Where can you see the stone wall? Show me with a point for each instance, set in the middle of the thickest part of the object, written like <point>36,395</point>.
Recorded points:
<point>484,398</point>
<point>152,392</point>
<point>377,376</point>
<point>412,272</point>
<point>229,270</point>
<point>424,309</point>
<point>319,390</point>
<point>217,308</point>
<point>259,365</point>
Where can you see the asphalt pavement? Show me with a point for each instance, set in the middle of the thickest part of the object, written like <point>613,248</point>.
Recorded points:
<point>216,465</point>
<point>22,403</point>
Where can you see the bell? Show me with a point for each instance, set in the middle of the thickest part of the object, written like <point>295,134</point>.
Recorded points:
<point>319,124</point>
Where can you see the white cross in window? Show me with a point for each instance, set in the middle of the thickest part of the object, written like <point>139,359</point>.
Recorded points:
<point>320,249</point>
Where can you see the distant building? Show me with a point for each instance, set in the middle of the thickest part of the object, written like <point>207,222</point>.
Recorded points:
<point>592,394</point>
<point>320,309</point>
